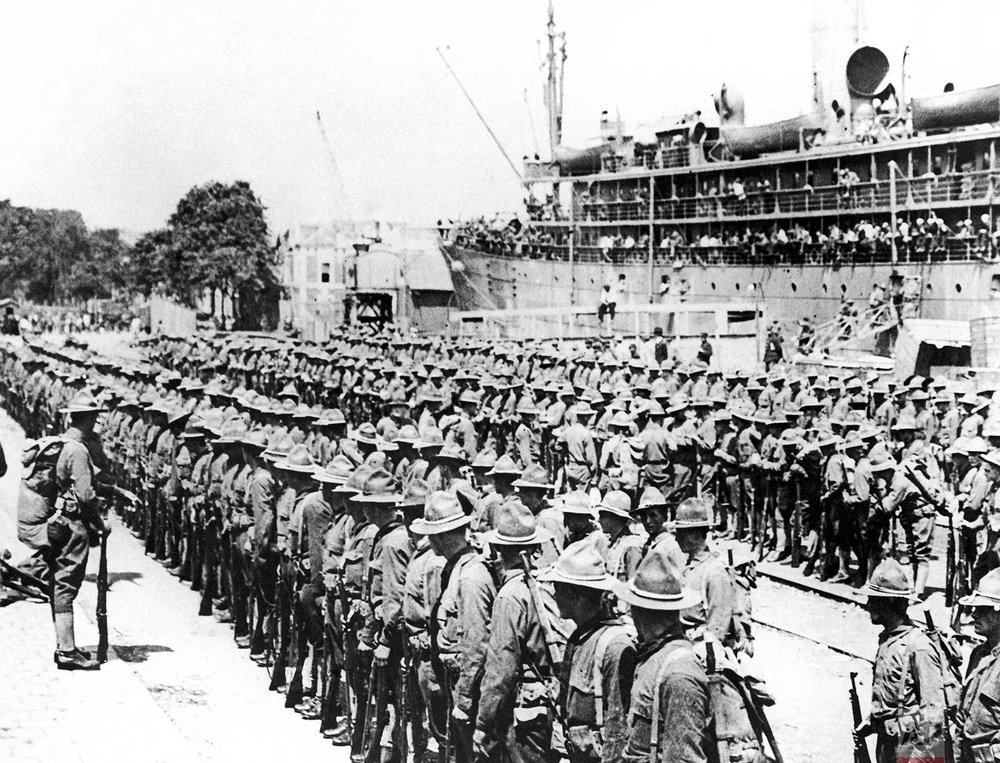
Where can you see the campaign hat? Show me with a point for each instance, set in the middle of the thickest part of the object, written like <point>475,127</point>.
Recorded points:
<point>580,564</point>
<point>515,525</point>
<point>657,585</point>
<point>616,503</point>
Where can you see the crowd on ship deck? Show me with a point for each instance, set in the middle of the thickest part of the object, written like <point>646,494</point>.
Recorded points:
<point>923,239</point>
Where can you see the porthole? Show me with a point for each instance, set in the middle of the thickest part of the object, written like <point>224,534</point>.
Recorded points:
<point>795,286</point>
<point>843,288</point>
<point>930,287</point>
<point>825,290</point>
<point>737,287</point>
<point>958,288</point>
<point>713,285</point>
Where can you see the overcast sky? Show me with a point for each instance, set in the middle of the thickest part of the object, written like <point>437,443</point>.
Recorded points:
<point>117,108</point>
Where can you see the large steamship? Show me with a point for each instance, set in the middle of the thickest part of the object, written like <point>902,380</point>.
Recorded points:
<point>806,214</point>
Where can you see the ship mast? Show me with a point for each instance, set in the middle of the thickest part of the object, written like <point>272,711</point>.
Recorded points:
<point>554,82</point>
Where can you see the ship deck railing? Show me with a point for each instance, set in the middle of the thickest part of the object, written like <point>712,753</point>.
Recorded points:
<point>925,250</point>
<point>949,189</point>
<point>680,319</point>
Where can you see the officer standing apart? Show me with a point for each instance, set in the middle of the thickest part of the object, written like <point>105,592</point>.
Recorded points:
<point>62,521</point>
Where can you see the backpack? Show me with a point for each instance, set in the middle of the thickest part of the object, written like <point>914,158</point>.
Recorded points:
<point>39,461</point>
<point>739,730</point>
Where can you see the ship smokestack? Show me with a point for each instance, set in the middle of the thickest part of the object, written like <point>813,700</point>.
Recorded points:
<point>837,30</point>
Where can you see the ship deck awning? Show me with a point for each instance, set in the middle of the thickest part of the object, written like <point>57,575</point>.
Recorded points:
<point>939,333</point>
<point>924,344</point>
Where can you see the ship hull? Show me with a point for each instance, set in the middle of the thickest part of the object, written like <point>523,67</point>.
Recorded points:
<point>943,290</point>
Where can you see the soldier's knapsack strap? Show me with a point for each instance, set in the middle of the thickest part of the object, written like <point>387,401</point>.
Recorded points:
<point>661,676</point>
<point>552,644</point>
<point>603,642</point>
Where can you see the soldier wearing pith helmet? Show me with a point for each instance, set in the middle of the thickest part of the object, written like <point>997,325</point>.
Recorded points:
<point>907,713</point>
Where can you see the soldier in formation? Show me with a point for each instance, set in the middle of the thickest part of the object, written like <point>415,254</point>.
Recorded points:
<point>466,551</point>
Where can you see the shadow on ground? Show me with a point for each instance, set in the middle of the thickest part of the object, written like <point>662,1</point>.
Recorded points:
<point>116,577</point>
<point>135,653</point>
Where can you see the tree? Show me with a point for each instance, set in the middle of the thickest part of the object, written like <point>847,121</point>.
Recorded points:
<point>219,242</point>
<point>152,265</point>
<point>50,256</point>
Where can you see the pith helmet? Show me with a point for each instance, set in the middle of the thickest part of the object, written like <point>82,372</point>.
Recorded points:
<point>657,585</point>
<point>580,564</point>
<point>987,593</point>
<point>693,513</point>
<point>442,513</point>
<point>890,580</point>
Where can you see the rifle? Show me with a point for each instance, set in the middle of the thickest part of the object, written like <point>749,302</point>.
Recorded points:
<point>377,696</point>
<point>210,582</point>
<point>280,643</point>
<point>940,508</point>
<point>328,701</point>
<point>551,646</point>
<point>861,754</point>
<point>403,702</point>
<point>946,656</point>
<point>102,601</point>
<point>295,646</point>
<point>797,525</point>
<point>950,576</point>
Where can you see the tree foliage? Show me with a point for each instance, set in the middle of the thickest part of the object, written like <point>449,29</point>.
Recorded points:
<point>50,256</point>
<point>216,241</point>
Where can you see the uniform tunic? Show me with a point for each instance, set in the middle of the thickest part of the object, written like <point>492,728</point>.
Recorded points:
<point>463,623</point>
<point>591,741</point>
<point>907,693</point>
<point>684,717</point>
<point>979,707</point>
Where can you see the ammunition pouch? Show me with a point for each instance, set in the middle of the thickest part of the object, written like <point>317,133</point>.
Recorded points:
<point>532,699</point>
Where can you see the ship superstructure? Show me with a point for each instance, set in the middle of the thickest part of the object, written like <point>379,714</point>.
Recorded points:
<point>871,190</point>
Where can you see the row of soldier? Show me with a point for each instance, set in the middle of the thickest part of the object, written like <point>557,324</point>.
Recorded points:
<point>226,488</point>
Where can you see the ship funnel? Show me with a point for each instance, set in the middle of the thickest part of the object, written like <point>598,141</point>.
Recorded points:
<point>867,72</point>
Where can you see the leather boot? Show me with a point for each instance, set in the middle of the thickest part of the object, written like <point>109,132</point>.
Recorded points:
<point>76,660</point>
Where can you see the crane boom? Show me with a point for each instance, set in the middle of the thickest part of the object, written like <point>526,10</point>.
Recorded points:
<point>341,202</point>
